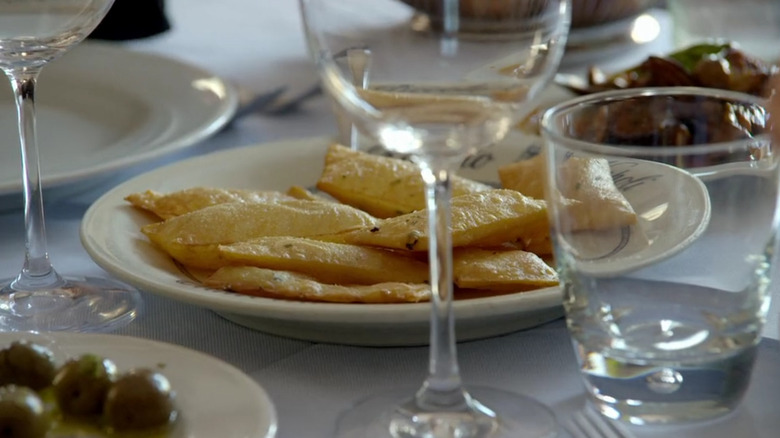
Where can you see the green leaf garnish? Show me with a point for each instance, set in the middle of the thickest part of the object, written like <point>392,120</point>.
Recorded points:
<point>691,56</point>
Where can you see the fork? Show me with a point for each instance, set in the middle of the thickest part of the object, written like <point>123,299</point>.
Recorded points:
<point>271,103</point>
<point>286,106</point>
<point>250,102</point>
<point>588,423</point>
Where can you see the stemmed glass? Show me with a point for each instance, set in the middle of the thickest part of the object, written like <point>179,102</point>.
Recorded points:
<point>33,33</point>
<point>437,93</point>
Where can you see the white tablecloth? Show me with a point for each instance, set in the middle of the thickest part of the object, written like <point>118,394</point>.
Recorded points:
<point>258,44</point>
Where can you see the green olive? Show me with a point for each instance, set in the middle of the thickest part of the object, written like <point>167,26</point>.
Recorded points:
<point>27,364</point>
<point>139,399</point>
<point>81,385</point>
<point>21,413</point>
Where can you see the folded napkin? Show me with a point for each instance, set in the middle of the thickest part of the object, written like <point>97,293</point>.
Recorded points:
<point>132,19</point>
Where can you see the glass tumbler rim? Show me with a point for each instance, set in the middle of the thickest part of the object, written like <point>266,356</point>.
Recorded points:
<point>552,134</point>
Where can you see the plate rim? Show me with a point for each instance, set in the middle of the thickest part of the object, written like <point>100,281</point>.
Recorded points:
<point>223,112</point>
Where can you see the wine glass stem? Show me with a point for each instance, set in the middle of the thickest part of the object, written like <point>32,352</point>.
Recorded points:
<point>442,389</point>
<point>37,272</point>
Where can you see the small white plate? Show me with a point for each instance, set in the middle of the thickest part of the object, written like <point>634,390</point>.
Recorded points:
<point>102,108</point>
<point>226,403</point>
<point>673,207</point>
<point>110,232</point>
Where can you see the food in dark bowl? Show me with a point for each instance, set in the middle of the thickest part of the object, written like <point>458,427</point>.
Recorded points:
<point>721,65</point>
<point>585,13</point>
<point>656,119</point>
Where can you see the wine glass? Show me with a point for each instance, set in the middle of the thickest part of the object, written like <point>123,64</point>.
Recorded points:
<point>33,33</point>
<point>437,93</point>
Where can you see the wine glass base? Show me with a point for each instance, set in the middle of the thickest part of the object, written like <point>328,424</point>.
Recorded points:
<point>517,417</point>
<point>83,304</point>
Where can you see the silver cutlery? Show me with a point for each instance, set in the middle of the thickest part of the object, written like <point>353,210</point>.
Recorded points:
<point>286,106</point>
<point>256,103</point>
<point>272,103</point>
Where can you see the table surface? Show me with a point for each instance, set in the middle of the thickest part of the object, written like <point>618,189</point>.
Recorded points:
<point>258,44</point>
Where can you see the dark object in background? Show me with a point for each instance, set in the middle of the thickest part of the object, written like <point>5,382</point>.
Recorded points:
<point>132,19</point>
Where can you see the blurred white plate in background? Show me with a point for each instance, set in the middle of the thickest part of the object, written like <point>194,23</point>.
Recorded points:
<point>102,108</point>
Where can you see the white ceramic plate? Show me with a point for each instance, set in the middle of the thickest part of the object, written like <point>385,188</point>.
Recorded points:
<point>102,108</point>
<point>110,232</point>
<point>226,404</point>
<point>673,209</point>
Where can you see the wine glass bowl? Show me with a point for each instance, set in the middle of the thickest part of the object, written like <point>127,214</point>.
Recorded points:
<point>437,95</point>
<point>32,33</point>
<point>492,84</point>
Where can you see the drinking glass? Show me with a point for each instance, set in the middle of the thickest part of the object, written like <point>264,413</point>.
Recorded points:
<point>666,286</point>
<point>33,33</point>
<point>436,94</point>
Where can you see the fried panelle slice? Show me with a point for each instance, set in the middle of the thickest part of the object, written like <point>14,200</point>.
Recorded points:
<point>539,244</point>
<point>251,280</point>
<point>526,176</point>
<point>193,238</point>
<point>327,262</point>
<point>485,219</point>
<point>586,184</point>
<point>382,186</point>
<point>168,205</point>
<point>299,192</point>
<point>595,203</point>
<point>499,270</point>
